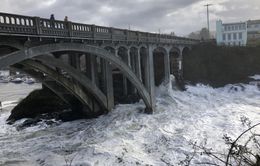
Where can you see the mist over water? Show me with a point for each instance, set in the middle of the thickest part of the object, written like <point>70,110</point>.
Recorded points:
<point>127,137</point>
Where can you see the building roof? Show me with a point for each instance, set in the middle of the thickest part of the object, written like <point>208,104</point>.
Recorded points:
<point>234,23</point>
<point>253,22</point>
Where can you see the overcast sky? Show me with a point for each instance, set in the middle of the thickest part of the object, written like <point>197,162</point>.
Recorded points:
<point>179,16</point>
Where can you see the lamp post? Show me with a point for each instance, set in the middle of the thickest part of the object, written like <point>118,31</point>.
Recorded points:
<point>207,5</point>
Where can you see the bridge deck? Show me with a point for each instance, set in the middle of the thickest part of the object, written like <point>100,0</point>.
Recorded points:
<point>18,25</point>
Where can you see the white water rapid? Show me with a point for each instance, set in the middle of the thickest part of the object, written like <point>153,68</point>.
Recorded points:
<point>127,137</point>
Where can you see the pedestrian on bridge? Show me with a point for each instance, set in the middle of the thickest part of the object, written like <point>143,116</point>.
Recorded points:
<point>66,19</point>
<point>52,19</point>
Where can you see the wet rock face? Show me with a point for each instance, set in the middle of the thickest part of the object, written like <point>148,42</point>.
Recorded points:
<point>37,103</point>
<point>219,65</point>
<point>44,105</point>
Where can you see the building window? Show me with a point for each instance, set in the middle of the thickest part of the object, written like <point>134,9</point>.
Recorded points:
<point>240,35</point>
<point>235,36</point>
<point>224,36</point>
<point>229,28</point>
<point>240,27</point>
<point>229,36</point>
<point>225,28</point>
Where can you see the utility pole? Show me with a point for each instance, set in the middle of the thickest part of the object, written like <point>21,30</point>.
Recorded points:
<point>208,15</point>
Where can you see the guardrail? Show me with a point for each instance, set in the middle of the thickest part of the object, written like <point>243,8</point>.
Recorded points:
<point>26,25</point>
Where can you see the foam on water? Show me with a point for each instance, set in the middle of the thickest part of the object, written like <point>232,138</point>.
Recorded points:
<point>256,77</point>
<point>127,137</point>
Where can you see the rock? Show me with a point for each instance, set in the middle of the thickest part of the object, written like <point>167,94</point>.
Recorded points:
<point>70,116</point>
<point>27,123</point>
<point>37,103</point>
<point>44,105</point>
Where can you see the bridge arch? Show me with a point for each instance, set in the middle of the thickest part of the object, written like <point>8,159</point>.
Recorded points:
<point>78,91</point>
<point>38,76</point>
<point>185,56</point>
<point>142,46</point>
<point>122,45</point>
<point>78,76</point>
<point>21,55</point>
<point>28,67</point>
<point>133,46</point>
<point>108,45</point>
<point>175,50</point>
<point>8,47</point>
<point>110,48</point>
<point>185,51</point>
<point>13,44</point>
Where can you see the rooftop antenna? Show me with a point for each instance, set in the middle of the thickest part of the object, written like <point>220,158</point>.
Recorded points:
<point>207,5</point>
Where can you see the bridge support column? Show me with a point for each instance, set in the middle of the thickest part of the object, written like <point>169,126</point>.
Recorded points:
<point>149,76</point>
<point>125,82</point>
<point>138,65</point>
<point>91,68</point>
<point>77,57</point>
<point>74,60</point>
<point>135,66</point>
<point>167,67</point>
<point>108,84</point>
<point>180,64</point>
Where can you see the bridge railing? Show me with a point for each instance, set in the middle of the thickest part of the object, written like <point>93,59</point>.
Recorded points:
<point>10,23</point>
<point>102,32</point>
<point>52,28</point>
<point>18,24</point>
<point>79,30</point>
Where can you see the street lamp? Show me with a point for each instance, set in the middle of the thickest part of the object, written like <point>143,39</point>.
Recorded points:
<point>207,5</point>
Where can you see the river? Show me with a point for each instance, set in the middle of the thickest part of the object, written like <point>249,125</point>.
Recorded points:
<point>127,137</point>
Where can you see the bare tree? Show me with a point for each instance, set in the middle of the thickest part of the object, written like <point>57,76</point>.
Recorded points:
<point>239,154</point>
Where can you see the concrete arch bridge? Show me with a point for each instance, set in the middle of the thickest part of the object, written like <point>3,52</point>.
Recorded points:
<point>91,65</point>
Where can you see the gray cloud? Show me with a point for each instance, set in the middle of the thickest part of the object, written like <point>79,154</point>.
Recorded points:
<point>180,16</point>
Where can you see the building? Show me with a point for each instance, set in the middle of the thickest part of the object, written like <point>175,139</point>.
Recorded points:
<point>232,34</point>
<point>238,34</point>
<point>253,32</point>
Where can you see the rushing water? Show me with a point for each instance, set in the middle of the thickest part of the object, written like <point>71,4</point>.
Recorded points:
<point>127,137</point>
